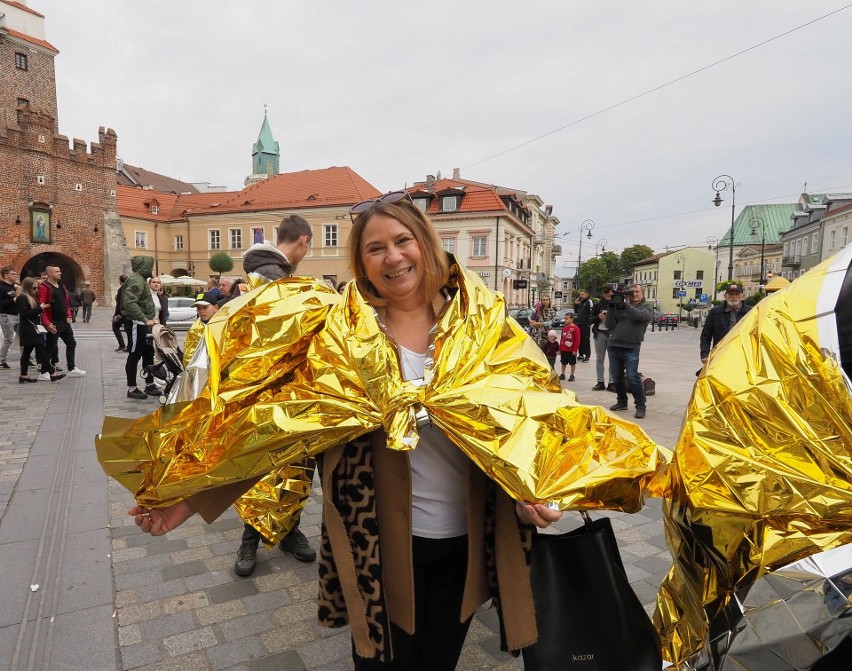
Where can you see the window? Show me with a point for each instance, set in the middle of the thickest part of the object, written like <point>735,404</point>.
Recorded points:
<point>141,240</point>
<point>329,235</point>
<point>450,204</point>
<point>235,235</point>
<point>479,246</point>
<point>178,244</point>
<point>23,102</point>
<point>814,243</point>
<point>214,239</point>
<point>421,203</point>
<point>845,235</point>
<point>699,275</point>
<point>677,275</point>
<point>831,239</point>
<point>799,247</point>
<point>785,248</point>
<point>449,245</point>
<point>21,61</point>
<point>155,209</point>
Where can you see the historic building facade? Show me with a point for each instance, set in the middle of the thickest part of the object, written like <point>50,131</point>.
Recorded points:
<point>57,198</point>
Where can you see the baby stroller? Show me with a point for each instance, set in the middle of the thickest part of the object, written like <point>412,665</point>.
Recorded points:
<point>168,358</point>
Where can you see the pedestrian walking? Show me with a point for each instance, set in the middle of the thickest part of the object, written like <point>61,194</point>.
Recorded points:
<point>119,323</point>
<point>87,299</point>
<point>74,302</point>
<point>583,319</point>
<point>137,305</point>
<point>569,345</point>
<point>31,333</point>
<point>56,318</point>
<point>8,311</point>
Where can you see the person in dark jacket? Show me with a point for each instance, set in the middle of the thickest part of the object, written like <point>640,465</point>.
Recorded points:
<point>87,300</point>
<point>56,318</point>
<point>29,312</point>
<point>265,262</point>
<point>627,322</point>
<point>8,312</point>
<point>583,318</point>
<point>137,305</point>
<point>119,323</point>
<point>722,318</point>
<point>74,303</point>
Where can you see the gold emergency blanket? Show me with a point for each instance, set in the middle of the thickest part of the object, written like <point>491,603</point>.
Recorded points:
<point>490,389</point>
<point>762,472</point>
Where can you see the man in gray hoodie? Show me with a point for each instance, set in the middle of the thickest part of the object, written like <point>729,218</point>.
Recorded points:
<point>265,262</point>
<point>627,321</point>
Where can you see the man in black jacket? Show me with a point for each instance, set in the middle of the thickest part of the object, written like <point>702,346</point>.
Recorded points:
<point>722,318</point>
<point>8,311</point>
<point>583,318</point>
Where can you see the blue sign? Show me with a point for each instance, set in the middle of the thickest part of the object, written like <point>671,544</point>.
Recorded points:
<point>681,293</point>
<point>703,298</point>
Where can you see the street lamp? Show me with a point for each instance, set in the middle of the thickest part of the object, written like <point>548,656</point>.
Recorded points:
<point>681,261</point>
<point>713,241</point>
<point>587,226</point>
<point>601,244</point>
<point>723,183</point>
<point>754,224</point>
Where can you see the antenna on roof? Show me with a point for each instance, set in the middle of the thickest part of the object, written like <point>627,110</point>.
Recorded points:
<point>806,187</point>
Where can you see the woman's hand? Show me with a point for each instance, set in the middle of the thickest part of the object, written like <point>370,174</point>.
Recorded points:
<point>158,521</point>
<point>536,513</point>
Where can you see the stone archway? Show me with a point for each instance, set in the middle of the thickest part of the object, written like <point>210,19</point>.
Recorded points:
<point>72,273</point>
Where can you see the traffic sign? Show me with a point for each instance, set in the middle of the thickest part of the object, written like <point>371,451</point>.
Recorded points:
<point>703,298</point>
<point>681,293</point>
<point>557,294</point>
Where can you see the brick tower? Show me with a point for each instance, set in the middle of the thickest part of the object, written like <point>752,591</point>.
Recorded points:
<point>57,199</point>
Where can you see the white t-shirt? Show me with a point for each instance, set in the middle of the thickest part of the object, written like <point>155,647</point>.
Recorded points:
<point>439,473</point>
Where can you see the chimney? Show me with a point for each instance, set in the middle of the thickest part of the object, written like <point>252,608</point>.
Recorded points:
<point>548,210</point>
<point>430,181</point>
<point>456,173</point>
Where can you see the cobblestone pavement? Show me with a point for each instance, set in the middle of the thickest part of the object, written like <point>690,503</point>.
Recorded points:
<point>83,590</point>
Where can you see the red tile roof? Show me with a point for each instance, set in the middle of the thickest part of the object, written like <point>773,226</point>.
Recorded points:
<point>305,189</point>
<point>23,7</point>
<point>140,177</point>
<point>32,40</point>
<point>477,197</point>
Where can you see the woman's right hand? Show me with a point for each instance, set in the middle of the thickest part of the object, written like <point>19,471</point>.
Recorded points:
<point>158,521</point>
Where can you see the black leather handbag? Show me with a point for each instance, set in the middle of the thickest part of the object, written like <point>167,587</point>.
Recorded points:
<point>587,614</point>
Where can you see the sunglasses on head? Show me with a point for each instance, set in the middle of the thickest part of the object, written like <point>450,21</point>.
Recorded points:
<point>392,197</point>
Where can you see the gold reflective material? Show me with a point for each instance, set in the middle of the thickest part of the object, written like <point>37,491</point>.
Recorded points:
<point>293,374</point>
<point>762,473</point>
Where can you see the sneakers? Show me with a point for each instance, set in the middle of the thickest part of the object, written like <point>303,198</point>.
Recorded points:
<point>296,543</point>
<point>152,390</point>
<point>640,412</point>
<point>45,377</point>
<point>570,378</point>
<point>136,393</point>
<point>75,372</point>
<point>246,558</point>
<point>121,349</point>
<point>618,406</point>
<point>611,387</point>
<point>599,387</point>
<point>562,376</point>
<point>3,364</point>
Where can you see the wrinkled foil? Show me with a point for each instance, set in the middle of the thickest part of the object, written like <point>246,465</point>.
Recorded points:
<point>788,619</point>
<point>295,374</point>
<point>762,472</point>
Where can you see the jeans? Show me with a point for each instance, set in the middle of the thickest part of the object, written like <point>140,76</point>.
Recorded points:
<point>601,342</point>
<point>625,360</point>
<point>87,312</point>
<point>9,324</point>
<point>63,331</point>
<point>585,347</point>
<point>440,567</point>
<point>117,329</point>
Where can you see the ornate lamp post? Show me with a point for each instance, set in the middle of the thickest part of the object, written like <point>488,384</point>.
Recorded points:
<point>681,261</point>
<point>754,224</point>
<point>587,226</point>
<point>713,241</point>
<point>601,244</point>
<point>723,183</point>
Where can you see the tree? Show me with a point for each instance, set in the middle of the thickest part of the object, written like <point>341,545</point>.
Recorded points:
<point>598,272</point>
<point>220,263</point>
<point>630,256</point>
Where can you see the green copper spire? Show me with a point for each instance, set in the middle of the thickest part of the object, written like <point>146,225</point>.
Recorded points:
<point>265,151</point>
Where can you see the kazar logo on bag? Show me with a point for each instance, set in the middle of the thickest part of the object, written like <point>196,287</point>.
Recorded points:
<point>588,657</point>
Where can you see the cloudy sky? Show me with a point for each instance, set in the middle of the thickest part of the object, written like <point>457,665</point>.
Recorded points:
<point>398,90</point>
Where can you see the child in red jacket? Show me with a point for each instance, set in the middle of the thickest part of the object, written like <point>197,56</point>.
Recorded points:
<point>569,345</point>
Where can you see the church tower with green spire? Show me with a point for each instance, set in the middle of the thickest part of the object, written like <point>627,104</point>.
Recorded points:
<point>265,154</point>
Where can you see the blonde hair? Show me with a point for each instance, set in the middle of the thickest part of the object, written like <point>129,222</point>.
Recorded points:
<point>436,267</point>
<point>25,289</point>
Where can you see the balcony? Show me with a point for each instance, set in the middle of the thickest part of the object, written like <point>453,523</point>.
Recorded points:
<point>792,260</point>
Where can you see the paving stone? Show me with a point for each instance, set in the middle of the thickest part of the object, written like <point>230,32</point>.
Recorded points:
<point>228,655</point>
<point>491,646</point>
<point>295,613</point>
<point>490,619</point>
<point>183,570</point>
<point>256,603</point>
<point>190,554</point>
<point>139,613</point>
<point>198,639</point>
<point>194,662</point>
<point>134,656</point>
<point>185,602</point>
<point>276,581</point>
<point>284,638</point>
<point>167,625</point>
<point>126,598</point>
<point>283,661</point>
<point>327,650</point>
<point>221,612</point>
<point>248,625</point>
<point>231,591</point>
<point>209,579</point>
<point>655,563</point>
<point>167,547</point>
<point>129,635</point>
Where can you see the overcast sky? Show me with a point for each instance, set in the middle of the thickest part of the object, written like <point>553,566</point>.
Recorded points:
<point>398,90</point>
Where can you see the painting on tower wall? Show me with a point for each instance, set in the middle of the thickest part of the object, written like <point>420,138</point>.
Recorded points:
<point>40,226</point>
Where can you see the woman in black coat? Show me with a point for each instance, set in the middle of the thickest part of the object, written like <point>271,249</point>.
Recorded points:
<point>30,318</point>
